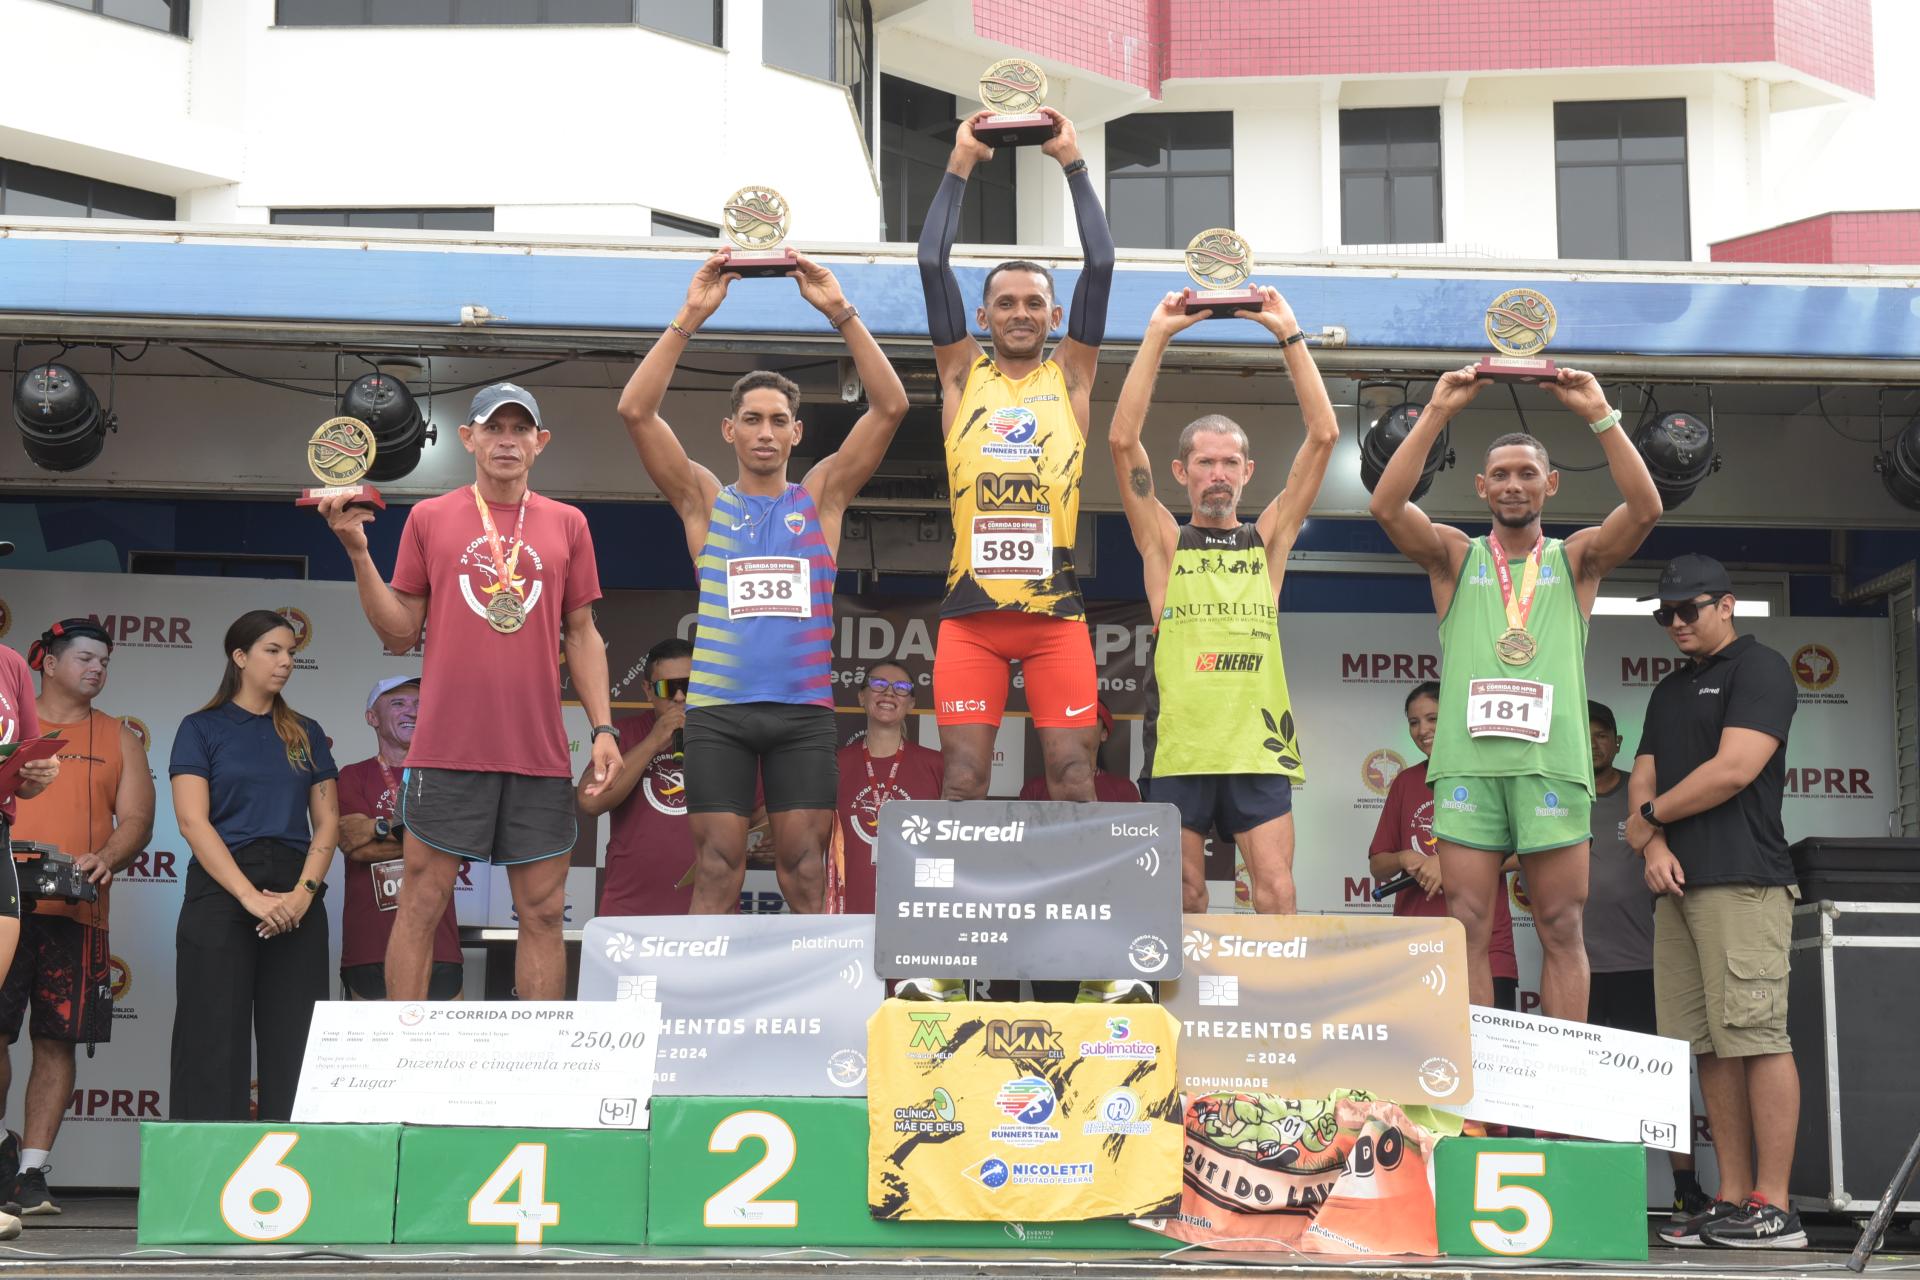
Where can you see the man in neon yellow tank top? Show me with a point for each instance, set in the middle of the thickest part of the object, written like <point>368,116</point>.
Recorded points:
<point>1220,738</point>
<point>1512,764</point>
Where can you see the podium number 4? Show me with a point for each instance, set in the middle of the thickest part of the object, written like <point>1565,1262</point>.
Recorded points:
<point>262,1174</point>
<point>530,1213</point>
<point>738,1204</point>
<point>1492,1195</point>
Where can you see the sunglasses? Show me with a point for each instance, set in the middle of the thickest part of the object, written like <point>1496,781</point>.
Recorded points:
<point>1687,611</point>
<point>667,688</point>
<point>898,686</point>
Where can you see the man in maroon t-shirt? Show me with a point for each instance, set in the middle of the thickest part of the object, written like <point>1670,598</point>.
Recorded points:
<point>1108,788</point>
<point>880,767</point>
<point>1404,842</point>
<point>649,843</point>
<point>370,839</point>
<point>500,578</point>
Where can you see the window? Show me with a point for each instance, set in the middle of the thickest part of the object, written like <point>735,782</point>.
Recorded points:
<point>27,190</point>
<point>666,224</point>
<point>169,16</point>
<point>1621,170</point>
<point>406,219</point>
<point>1390,176</point>
<point>1169,176</point>
<point>827,39</point>
<point>694,19</point>
<point>917,125</point>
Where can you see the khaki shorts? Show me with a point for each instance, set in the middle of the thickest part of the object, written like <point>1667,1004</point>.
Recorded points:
<point>1720,968</point>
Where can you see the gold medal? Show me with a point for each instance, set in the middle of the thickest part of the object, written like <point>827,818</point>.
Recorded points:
<point>1516,647</point>
<point>505,612</point>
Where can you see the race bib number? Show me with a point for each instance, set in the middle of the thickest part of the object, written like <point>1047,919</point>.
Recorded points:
<point>1520,709</point>
<point>1012,546</point>
<point>768,586</point>
<point>386,883</point>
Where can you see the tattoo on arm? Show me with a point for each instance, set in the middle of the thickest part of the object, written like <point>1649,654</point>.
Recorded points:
<point>1142,481</point>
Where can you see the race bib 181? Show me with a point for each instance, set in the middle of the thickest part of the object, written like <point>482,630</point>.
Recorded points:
<point>1520,709</point>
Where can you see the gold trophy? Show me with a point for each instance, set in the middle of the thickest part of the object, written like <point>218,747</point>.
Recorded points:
<point>339,454</point>
<point>1520,324</point>
<point>1220,260</point>
<point>757,219</point>
<point>1013,90</point>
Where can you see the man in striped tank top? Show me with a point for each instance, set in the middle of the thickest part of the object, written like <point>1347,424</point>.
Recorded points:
<point>1512,761</point>
<point>760,696</point>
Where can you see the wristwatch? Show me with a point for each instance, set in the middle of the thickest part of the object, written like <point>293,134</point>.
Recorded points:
<point>604,728</point>
<point>1646,811</point>
<point>312,886</point>
<point>385,830</point>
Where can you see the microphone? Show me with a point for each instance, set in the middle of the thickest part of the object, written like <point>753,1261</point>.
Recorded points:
<point>679,744</point>
<point>1394,884</point>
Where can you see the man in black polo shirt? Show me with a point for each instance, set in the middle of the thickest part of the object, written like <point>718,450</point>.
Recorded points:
<point>1705,795</point>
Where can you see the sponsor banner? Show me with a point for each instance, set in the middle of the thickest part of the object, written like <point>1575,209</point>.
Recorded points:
<point>1345,1174</point>
<point>1005,889</point>
<point>750,1005</point>
<point>1295,1004</point>
<point>1578,1079</point>
<point>1004,1112</point>
<point>555,1064</point>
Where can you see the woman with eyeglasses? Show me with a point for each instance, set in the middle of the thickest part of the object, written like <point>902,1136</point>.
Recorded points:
<point>883,765</point>
<point>253,791</point>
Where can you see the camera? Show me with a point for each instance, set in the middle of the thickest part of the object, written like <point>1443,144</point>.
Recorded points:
<point>45,873</point>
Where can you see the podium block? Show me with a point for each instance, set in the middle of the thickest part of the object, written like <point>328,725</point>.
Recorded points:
<point>521,1186</point>
<point>267,1183</point>
<point>793,1171</point>
<point>1524,1197</point>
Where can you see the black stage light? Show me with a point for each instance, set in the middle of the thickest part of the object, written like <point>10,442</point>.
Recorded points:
<point>1678,450</point>
<point>383,402</point>
<point>1899,466</point>
<point>62,426</point>
<point>1388,431</point>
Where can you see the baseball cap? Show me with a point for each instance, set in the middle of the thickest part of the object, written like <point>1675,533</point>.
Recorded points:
<point>489,399</point>
<point>1601,714</point>
<point>388,685</point>
<point>1692,575</point>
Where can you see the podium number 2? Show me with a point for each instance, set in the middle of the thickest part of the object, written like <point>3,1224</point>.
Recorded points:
<point>262,1174</point>
<point>530,1212</point>
<point>738,1204</point>
<point>1492,1195</point>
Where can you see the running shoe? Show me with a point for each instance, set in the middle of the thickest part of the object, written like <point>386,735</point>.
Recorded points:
<point>1116,991</point>
<point>1686,1205</point>
<point>30,1192</point>
<point>931,989</point>
<point>1687,1233</point>
<point>1757,1225</point>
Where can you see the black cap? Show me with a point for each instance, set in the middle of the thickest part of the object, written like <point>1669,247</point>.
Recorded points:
<point>1692,575</point>
<point>1601,714</point>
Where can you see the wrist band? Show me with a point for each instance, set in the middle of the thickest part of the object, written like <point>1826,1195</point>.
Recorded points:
<point>676,326</point>
<point>1299,335</point>
<point>842,317</point>
<point>1607,423</point>
<point>1077,166</point>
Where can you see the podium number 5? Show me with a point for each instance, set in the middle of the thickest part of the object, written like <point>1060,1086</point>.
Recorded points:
<point>530,1212</point>
<point>738,1204</point>
<point>1492,1195</point>
<point>260,1174</point>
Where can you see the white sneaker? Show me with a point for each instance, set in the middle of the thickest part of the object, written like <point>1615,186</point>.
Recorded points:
<point>9,1227</point>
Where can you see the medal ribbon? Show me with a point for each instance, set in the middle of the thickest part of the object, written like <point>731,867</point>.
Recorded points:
<point>503,565</point>
<point>393,786</point>
<point>1517,607</point>
<point>880,795</point>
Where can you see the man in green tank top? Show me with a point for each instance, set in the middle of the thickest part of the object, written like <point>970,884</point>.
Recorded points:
<point>1221,745</point>
<point>1512,764</point>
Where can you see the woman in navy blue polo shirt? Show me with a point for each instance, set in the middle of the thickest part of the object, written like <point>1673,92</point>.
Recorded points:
<point>253,791</point>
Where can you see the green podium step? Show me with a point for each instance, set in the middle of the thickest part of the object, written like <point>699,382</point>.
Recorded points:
<point>267,1183</point>
<point>1523,1197</point>
<point>521,1186</point>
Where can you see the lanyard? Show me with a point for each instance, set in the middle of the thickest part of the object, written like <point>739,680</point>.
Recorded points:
<point>393,785</point>
<point>881,794</point>
<point>1517,608</point>
<point>504,566</point>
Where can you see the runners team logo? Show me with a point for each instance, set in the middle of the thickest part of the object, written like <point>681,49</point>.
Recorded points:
<point>1013,429</point>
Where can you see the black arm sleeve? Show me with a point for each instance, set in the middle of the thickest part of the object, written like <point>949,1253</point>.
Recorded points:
<point>1087,321</point>
<point>946,315</point>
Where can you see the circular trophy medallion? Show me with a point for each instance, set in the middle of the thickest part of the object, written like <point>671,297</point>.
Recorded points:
<point>341,451</point>
<point>1520,322</point>
<point>506,612</point>
<point>757,217</point>
<point>1219,259</point>
<point>1515,647</point>
<point>1013,86</point>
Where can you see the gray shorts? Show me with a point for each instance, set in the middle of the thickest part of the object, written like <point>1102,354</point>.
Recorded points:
<point>501,818</point>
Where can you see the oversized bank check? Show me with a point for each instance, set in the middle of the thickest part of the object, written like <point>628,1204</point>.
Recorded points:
<point>526,1064</point>
<point>1579,1079</point>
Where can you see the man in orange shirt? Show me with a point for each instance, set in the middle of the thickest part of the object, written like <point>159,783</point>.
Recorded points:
<point>100,810</point>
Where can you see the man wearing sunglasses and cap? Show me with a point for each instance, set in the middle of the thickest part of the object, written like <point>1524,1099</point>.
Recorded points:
<point>1704,800</point>
<point>884,765</point>
<point>649,868</point>
<point>498,576</point>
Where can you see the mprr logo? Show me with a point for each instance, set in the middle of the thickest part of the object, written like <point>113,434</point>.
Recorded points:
<point>152,866</point>
<point>146,631</point>
<point>1815,667</point>
<point>1648,670</point>
<point>993,491</point>
<point>1830,784</point>
<point>1380,768</point>
<point>114,1104</point>
<point>1388,668</point>
<point>119,977</point>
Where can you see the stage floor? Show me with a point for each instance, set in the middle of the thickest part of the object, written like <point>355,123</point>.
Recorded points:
<point>96,1235</point>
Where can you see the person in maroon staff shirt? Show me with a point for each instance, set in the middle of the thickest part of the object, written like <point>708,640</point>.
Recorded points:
<point>1108,788</point>
<point>880,767</point>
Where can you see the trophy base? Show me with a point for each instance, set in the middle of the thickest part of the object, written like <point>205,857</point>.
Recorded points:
<point>1225,303</point>
<point>752,264</point>
<point>357,495</point>
<point>1029,129</point>
<point>1516,369</point>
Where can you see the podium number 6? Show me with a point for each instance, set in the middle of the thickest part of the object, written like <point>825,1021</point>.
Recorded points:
<point>261,1173</point>
<point>738,1204</point>
<point>531,1212</point>
<point>1492,1195</point>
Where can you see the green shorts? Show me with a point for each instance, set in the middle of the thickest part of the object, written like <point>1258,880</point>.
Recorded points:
<point>1524,814</point>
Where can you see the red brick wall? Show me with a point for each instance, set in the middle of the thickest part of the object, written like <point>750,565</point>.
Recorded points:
<point>1883,238</point>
